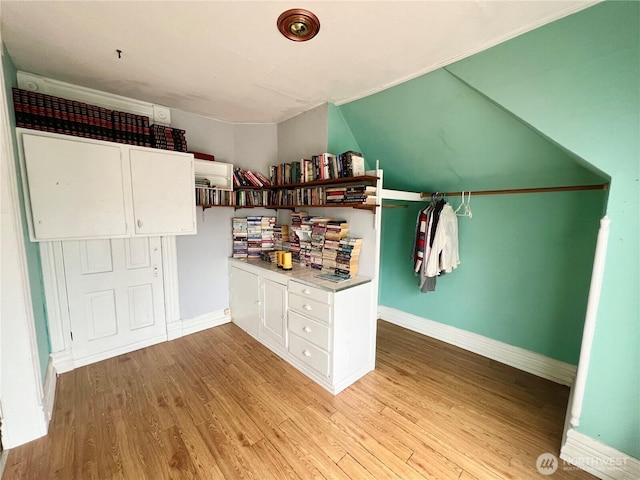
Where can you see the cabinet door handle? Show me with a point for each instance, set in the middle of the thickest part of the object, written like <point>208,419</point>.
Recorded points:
<point>306,307</point>
<point>306,353</point>
<point>139,222</point>
<point>306,291</point>
<point>306,329</point>
<point>258,302</point>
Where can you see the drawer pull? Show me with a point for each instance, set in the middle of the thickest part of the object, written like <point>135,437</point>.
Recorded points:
<point>306,307</point>
<point>306,353</point>
<point>306,291</point>
<point>306,329</point>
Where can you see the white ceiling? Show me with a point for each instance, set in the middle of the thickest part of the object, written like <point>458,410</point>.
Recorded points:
<point>227,60</point>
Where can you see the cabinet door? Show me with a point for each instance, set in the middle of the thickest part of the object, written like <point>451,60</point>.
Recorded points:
<point>274,312</point>
<point>162,184</point>
<point>75,188</point>
<point>245,300</point>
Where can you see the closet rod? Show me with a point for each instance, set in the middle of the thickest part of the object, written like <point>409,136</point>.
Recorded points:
<point>573,188</point>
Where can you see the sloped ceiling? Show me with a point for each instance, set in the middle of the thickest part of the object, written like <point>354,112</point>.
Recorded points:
<point>435,133</point>
<point>226,59</point>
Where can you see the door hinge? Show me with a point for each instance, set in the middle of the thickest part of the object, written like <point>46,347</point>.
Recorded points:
<point>71,333</point>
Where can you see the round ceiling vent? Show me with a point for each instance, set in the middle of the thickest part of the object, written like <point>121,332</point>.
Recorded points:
<point>298,24</point>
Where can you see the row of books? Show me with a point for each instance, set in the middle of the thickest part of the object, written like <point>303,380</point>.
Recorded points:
<point>38,111</point>
<point>307,196</point>
<point>207,197</point>
<point>168,138</point>
<point>326,166</point>
<point>247,178</point>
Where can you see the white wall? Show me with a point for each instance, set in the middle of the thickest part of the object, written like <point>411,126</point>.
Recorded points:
<point>304,135</point>
<point>202,259</point>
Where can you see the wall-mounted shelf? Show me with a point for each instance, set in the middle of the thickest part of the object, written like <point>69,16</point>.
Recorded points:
<point>258,201</point>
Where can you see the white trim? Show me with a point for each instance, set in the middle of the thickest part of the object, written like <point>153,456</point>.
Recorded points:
<point>588,332</point>
<point>20,371</point>
<point>62,361</point>
<point>36,83</point>
<point>526,360</point>
<point>170,285</point>
<point>98,357</point>
<point>196,324</point>
<point>598,459</point>
<point>202,322</point>
<point>49,396</point>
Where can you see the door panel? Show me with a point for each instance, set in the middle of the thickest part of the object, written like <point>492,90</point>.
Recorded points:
<point>96,256</point>
<point>137,253</point>
<point>141,306</point>
<point>115,294</point>
<point>100,311</point>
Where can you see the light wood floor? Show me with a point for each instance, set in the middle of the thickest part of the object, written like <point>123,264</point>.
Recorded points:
<point>218,405</point>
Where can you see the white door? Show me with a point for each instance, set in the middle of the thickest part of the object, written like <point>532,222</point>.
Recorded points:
<point>274,312</point>
<point>163,192</point>
<point>245,300</point>
<point>115,295</point>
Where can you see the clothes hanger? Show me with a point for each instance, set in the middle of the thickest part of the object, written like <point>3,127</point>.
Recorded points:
<point>466,207</point>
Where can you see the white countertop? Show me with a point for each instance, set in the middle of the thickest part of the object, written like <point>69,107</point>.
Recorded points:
<point>304,274</point>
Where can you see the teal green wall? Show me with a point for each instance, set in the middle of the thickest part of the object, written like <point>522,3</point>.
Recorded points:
<point>524,273</point>
<point>434,132</point>
<point>577,81</point>
<point>340,138</point>
<point>31,249</point>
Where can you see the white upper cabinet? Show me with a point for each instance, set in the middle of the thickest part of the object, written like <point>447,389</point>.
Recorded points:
<point>78,188</point>
<point>163,192</point>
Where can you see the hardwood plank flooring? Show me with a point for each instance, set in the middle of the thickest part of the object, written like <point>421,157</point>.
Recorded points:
<point>219,405</point>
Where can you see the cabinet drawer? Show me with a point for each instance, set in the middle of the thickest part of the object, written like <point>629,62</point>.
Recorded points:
<point>309,354</point>
<point>310,308</point>
<point>309,292</point>
<point>314,332</point>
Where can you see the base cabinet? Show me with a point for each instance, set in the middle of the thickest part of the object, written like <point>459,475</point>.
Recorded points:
<point>327,334</point>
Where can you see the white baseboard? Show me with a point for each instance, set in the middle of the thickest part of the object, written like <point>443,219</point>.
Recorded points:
<point>526,360</point>
<point>62,361</point>
<point>197,324</point>
<point>598,459</point>
<point>4,454</point>
<point>89,359</point>
<point>49,390</point>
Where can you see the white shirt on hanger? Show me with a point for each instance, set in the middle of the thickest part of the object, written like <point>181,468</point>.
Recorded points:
<point>444,255</point>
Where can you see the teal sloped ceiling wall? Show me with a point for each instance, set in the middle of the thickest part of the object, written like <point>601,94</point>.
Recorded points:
<point>436,133</point>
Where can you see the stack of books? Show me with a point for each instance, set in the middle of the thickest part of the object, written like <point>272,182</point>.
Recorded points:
<point>305,245</point>
<point>351,164</point>
<point>133,129</point>
<point>348,256</point>
<point>318,230</point>
<point>254,234</point>
<point>336,230</point>
<point>365,194</point>
<point>294,240</point>
<point>281,237</point>
<point>167,138</point>
<point>240,240</point>
<point>266,231</point>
